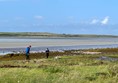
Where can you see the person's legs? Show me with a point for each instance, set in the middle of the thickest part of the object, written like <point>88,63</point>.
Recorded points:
<point>47,54</point>
<point>27,56</point>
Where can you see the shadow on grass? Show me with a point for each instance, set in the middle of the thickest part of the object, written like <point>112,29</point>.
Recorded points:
<point>13,66</point>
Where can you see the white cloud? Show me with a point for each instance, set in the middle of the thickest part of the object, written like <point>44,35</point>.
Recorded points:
<point>94,21</point>
<point>38,17</point>
<point>105,20</point>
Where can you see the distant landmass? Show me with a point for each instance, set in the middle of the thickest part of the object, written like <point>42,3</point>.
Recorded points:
<point>46,34</point>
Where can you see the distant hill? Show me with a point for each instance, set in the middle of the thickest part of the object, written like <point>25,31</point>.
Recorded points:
<point>46,34</point>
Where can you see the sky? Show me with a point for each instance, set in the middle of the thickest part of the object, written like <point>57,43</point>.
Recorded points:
<point>60,16</point>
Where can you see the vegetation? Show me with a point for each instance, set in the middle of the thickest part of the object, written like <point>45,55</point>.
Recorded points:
<point>45,34</point>
<point>61,67</point>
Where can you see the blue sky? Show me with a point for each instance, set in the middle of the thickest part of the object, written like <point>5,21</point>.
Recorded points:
<point>59,16</point>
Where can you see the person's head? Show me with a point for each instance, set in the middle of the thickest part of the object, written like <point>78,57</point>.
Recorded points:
<point>47,49</point>
<point>30,46</point>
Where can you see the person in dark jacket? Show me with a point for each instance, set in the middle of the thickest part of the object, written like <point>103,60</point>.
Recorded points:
<point>27,52</point>
<point>47,53</point>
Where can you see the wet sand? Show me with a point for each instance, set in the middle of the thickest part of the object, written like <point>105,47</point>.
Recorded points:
<point>61,42</point>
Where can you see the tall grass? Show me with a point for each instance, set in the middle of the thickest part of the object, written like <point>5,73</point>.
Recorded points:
<point>65,69</point>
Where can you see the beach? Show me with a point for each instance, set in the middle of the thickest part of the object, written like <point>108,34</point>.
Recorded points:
<point>18,43</point>
<point>9,45</point>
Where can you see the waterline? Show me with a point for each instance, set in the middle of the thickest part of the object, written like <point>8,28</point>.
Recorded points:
<point>4,51</point>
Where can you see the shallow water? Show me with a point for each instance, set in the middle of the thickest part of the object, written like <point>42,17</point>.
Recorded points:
<point>4,51</point>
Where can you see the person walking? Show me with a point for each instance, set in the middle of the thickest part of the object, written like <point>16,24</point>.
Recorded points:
<point>47,53</point>
<point>28,52</point>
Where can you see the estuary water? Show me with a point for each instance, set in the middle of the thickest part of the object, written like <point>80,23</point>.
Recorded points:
<point>8,45</point>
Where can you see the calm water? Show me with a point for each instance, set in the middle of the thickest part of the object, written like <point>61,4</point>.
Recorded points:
<point>98,43</point>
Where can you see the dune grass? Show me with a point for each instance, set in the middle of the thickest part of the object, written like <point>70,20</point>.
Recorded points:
<point>69,68</point>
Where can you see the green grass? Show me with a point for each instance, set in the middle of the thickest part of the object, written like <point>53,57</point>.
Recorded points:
<point>46,35</point>
<point>68,68</point>
<point>63,70</point>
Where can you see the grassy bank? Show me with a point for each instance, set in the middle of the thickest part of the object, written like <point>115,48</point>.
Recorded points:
<point>47,35</point>
<point>61,67</point>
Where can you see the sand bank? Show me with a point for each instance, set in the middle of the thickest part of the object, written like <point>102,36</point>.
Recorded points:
<point>15,44</point>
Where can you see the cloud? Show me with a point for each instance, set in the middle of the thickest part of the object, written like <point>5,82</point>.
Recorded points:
<point>98,21</point>
<point>38,17</point>
<point>105,20</point>
<point>94,21</point>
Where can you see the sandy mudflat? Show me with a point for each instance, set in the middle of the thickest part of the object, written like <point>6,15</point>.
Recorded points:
<point>14,44</point>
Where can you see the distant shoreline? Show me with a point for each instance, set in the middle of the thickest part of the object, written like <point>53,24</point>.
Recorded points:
<point>48,35</point>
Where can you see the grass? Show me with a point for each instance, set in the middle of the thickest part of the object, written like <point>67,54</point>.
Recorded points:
<point>47,35</point>
<point>67,68</point>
